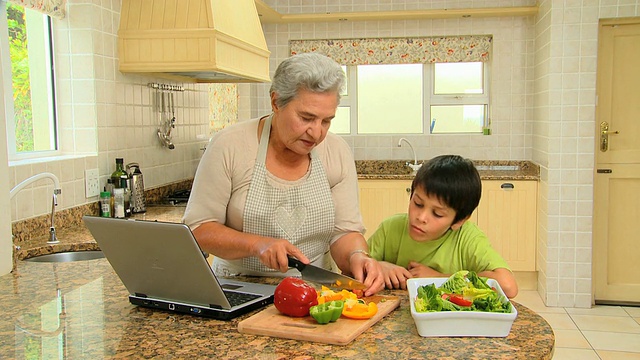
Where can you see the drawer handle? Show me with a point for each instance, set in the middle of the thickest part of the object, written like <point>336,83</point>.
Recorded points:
<point>507,186</point>
<point>408,190</point>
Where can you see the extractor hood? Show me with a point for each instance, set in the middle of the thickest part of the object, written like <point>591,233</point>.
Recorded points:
<point>193,41</point>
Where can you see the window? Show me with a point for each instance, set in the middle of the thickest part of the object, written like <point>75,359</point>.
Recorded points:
<point>439,98</point>
<point>26,47</point>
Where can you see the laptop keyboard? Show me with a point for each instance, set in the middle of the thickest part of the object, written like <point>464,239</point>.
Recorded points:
<point>236,298</point>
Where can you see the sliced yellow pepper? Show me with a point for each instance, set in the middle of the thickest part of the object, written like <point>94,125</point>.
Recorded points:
<point>359,309</point>
<point>326,295</point>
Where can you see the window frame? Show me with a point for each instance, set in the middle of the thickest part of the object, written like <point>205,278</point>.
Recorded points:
<point>429,99</point>
<point>5,63</point>
<point>456,99</point>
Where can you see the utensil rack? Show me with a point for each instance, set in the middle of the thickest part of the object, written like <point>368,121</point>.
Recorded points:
<point>164,105</point>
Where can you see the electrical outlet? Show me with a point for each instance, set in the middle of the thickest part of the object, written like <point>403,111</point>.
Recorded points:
<point>91,183</point>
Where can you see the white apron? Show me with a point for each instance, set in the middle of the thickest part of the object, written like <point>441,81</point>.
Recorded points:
<point>301,211</point>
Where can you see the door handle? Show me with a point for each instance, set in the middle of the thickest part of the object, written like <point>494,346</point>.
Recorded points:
<point>604,136</point>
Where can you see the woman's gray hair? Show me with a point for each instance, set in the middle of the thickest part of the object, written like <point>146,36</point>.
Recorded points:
<point>310,71</point>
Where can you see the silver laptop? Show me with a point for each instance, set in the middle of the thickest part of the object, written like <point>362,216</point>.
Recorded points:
<point>162,267</point>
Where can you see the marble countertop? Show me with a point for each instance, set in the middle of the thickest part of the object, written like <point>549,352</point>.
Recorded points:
<point>80,310</point>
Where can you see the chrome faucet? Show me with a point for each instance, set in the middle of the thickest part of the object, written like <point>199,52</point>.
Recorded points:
<point>56,191</point>
<point>415,166</point>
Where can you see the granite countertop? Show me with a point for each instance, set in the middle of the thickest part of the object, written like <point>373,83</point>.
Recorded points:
<point>81,310</point>
<point>488,169</point>
<point>30,240</point>
<point>78,238</point>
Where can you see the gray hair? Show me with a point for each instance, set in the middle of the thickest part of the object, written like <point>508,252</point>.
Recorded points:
<point>310,71</point>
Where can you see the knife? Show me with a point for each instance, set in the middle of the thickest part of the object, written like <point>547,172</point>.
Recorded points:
<point>325,277</point>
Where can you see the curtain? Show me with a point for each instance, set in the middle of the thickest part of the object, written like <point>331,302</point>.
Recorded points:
<point>412,50</point>
<point>53,8</point>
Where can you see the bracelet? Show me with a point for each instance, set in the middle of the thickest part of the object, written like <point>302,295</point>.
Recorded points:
<point>359,251</point>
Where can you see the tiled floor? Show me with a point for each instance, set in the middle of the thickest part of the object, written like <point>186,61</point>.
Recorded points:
<point>602,332</point>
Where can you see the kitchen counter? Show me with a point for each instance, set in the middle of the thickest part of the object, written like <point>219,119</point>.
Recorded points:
<point>488,170</point>
<point>81,310</point>
<point>79,238</point>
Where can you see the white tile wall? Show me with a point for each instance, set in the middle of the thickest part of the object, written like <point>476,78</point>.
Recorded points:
<point>543,80</point>
<point>104,114</point>
<point>511,73</point>
<point>563,133</point>
<point>545,83</point>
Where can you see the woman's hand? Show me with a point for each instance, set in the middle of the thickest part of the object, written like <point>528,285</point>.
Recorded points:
<point>273,253</point>
<point>368,271</point>
<point>418,270</point>
<point>395,277</point>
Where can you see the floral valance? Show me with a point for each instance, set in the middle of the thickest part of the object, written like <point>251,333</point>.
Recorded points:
<point>53,8</point>
<point>399,50</point>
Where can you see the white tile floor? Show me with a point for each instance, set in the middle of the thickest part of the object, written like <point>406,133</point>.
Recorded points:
<point>602,332</point>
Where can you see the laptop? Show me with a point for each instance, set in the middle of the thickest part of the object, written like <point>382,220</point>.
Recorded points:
<point>162,267</point>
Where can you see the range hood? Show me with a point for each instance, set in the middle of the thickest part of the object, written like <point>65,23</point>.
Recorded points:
<point>202,41</point>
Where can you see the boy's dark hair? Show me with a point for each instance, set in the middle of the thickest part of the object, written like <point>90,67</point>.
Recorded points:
<point>454,180</point>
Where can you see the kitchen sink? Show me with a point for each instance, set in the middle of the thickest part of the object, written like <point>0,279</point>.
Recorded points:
<point>68,256</point>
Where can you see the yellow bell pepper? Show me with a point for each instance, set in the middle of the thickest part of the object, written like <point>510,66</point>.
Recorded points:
<point>326,295</point>
<point>359,309</point>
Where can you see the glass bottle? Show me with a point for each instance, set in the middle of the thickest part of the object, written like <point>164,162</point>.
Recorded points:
<point>127,196</point>
<point>119,203</point>
<point>110,189</point>
<point>119,174</point>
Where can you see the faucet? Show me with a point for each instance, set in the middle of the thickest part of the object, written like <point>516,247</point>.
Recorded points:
<point>56,191</point>
<point>415,166</point>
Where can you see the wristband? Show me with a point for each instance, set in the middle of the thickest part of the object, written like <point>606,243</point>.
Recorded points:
<point>359,251</point>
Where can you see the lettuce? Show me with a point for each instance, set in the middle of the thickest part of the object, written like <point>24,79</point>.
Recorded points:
<point>466,284</point>
<point>456,282</point>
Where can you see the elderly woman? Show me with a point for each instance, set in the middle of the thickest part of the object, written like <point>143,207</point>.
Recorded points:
<point>283,185</point>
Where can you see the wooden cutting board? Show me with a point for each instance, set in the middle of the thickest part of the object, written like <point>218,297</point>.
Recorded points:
<point>270,322</point>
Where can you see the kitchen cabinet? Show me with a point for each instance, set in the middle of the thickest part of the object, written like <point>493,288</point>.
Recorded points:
<point>380,199</point>
<point>506,213</point>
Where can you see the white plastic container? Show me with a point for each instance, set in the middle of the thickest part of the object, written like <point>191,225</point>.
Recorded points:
<point>459,323</point>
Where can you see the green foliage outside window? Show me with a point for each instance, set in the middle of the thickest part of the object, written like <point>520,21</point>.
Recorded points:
<point>21,82</point>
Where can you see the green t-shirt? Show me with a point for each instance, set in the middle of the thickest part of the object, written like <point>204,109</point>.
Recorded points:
<point>467,248</point>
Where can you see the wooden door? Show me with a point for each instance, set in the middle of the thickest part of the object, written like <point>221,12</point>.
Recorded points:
<point>616,215</point>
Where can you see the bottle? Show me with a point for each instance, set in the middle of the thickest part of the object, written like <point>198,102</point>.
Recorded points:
<point>105,203</point>
<point>127,197</point>
<point>119,203</point>
<point>110,189</point>
<point>119,174</point>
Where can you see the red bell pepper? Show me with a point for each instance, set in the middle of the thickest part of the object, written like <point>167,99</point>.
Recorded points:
<point>294,297</point>
<point>460,301</point>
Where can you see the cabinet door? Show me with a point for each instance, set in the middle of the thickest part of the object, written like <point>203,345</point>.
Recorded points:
<point>507,214</point>
<point>380,199</point>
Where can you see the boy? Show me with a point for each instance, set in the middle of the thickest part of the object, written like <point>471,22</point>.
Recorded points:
<point>435,239</point>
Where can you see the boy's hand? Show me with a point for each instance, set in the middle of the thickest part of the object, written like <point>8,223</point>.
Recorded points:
<point>395,277</point>
<point>417,270</point>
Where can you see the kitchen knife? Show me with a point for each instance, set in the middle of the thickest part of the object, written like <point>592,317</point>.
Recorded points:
<point>325,277</point>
